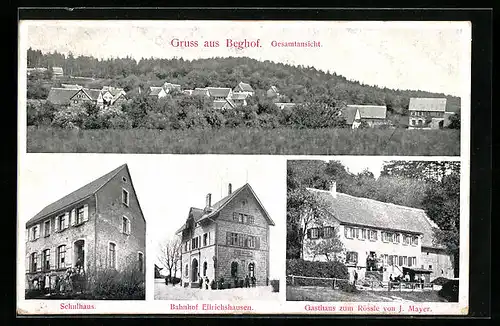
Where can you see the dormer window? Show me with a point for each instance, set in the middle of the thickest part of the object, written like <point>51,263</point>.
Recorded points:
<point>124,179</point>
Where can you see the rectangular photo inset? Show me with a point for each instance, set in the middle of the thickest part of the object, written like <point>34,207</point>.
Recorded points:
<point>373,230</point>
<point>89,244</point>
<point>216,241</point>
<point>245,87</point>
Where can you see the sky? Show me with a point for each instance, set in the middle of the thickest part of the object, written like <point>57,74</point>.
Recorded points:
<point>167,186</point>
<point>430,56</point>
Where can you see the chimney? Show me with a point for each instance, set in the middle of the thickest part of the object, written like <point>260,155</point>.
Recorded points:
<point>333,189</point>
<point>209,201</point>
<point>229,189</point>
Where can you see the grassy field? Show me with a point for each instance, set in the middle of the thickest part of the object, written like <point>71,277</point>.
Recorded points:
<point>247,141</point>
<point>325,294</point>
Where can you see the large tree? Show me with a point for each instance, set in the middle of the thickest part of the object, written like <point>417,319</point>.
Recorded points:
<point>442,205</point>
<point>169,255</point>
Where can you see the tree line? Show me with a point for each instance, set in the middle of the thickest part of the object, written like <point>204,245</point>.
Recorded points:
<point>296,83</point>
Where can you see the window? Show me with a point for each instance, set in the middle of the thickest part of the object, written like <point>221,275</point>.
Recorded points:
<point>414,240</point>
<point>80,212</point>
<point>61,256</point>
<point>195,243</point>
<point>33,262</point>
<point>112,255</point>
<point>125,225</point>
<point>234,269</point>
<point>124,179</point>
<point>62,222</point>
<point>186,270</point>
<point>328,232</point>
<point>352,257</point>
<point>349,232</point>
<point>185,246</point>
<point>46,260</point>
<point>413,261</point>
<point>125,197</point>
<point>250,219</point>
<point>363,234</point>
<point>406,239</point>
<point>35,232</point>
<point>140,261</point>
<point>400,261</point>
<point>430,266</point>
<point>205,239</point>
<point>243,218</point>
<point>250,242</point>
<point>373,235</point>
<point>46,228</point>
<point>205,266</point>
<point>313,233</point>
<point>241,240</point>
<point>396,238</point>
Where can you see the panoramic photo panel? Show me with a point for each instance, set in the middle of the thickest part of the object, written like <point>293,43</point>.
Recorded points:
<point>245,87</point>
<point>373,230</point>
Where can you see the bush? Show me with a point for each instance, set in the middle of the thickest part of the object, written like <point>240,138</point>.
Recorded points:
<point>114,285</point>
<point>449,291</point>
<point>175,280</point>
<point>276,285</point>
<point>300,267</point>
<point>440,280</point>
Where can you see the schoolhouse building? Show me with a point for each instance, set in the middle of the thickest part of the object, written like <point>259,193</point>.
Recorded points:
<point>380,239</point>
<point>227,239</point>
<point>98,226</point>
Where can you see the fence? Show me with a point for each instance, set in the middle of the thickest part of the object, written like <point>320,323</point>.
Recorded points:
<point>317,281</point>
<point>408,286</point>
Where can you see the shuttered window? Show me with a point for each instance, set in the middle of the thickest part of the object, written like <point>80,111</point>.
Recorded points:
<point>61,256</point>
<point>46,260</point>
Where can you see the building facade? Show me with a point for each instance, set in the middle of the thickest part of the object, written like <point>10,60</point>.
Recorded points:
<point>427,113</point>
<point>99,226</point>
<point>228,239</point>
<point>372,115</point>
<point>378,238</point>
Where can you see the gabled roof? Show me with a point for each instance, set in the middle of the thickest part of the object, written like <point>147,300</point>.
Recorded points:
<point>200,92</point>
<point>371,111</point>
<point>170,85</point>
<point>245,87</point>
<point>219,91</point>
<point>76,196</point>
<point>194,213</point>
<point>61,95</point>
<point>349,113</point>
<point>427,104</point>
<point>155,91</point>
<point>115,91</point>
<point>367,212</point>
<point>218,206</point>
<point>273,88</point>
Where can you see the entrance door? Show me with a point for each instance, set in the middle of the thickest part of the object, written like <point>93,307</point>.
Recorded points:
<point>251,270</point>
<point>194,270</point>
<point>79,255</point>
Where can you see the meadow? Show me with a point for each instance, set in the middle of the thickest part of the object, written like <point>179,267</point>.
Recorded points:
<point>279,141</point>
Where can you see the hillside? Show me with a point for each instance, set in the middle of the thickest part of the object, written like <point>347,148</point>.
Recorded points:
<point>297,83</point>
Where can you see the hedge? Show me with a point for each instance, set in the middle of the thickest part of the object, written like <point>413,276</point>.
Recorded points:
<point>328,269</point>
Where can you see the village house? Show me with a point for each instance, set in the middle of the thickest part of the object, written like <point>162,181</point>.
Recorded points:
<point>30,71</point>
<point>244,88</point>
<point>373,115</point>
<point>273,92</point>
<point>228,239</point>
<point>224,104</point>
<point>113,95</point>
<point>169,87</point>
<point>70,97</point>
<point>239,99</point>
<point>57,72</point>
<point>379,238</point>
<point>157,92</point>
<point>99,226</point>
<point>427,113</point>
<point>220,93</point>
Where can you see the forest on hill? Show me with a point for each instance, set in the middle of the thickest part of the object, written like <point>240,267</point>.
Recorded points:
<point>297,83</point>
